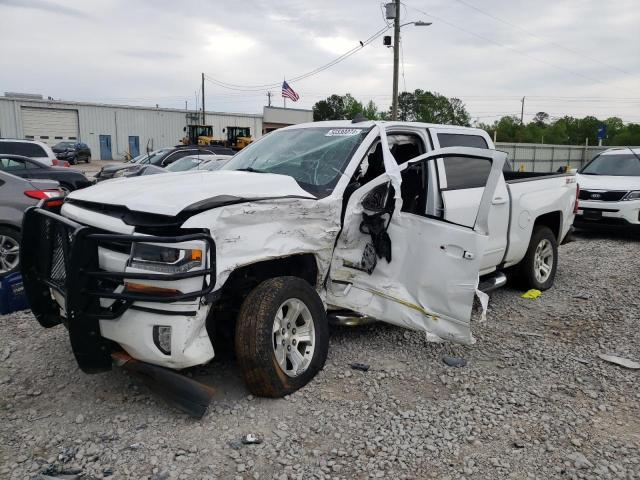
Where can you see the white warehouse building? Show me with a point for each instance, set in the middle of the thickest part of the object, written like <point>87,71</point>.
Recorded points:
<point>113,131</point>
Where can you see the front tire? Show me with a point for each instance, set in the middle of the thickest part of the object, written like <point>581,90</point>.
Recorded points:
<point>282,336</point>
<point>538,268</point>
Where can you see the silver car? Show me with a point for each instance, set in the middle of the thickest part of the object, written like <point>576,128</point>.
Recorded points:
<point>16,195</point>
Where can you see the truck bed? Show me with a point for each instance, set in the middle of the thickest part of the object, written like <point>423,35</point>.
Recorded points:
<point>514,177</point>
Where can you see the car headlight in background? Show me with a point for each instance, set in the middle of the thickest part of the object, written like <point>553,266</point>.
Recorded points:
<point>634,195</point>
<point>165,259</point>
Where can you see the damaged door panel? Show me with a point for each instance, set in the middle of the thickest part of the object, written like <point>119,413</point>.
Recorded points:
<point>427,279</point>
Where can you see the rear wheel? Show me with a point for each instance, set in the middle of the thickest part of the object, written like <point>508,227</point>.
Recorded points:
<point>538,268</point>
<point>282,337</point>
<point>9,251</point>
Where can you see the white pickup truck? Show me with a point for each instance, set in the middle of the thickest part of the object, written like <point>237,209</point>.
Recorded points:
<point>392,221</point>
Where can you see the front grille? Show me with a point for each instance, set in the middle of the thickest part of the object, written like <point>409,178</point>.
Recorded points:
<point>55,243</point>
<point>602,196</point>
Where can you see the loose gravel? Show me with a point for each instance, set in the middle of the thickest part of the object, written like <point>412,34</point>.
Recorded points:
<point>533,400</point>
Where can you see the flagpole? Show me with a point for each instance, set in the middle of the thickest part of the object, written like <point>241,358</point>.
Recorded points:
<point>284,99</point>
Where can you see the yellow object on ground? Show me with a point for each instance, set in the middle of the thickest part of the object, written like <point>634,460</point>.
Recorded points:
<point>531,294</point>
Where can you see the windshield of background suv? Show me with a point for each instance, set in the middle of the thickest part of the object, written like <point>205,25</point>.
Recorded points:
<point>151,156</point>
<point>615,164</point>
<point>314,157</point>
<point>184,164</point>
<point>64,145</point>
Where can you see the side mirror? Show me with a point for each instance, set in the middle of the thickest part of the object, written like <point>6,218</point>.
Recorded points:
<point>379,199</point>
<point>224,130</point>
<point>184,129</point>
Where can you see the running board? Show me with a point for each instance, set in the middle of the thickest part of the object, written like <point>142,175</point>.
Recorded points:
<point>493,282</point>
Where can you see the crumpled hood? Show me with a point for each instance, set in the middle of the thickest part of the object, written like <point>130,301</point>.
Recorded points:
<point>170,194</point>
<point>608,182</point>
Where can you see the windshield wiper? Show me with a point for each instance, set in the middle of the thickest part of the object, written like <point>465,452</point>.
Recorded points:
<point>250,169</point>
<point>634,153</point>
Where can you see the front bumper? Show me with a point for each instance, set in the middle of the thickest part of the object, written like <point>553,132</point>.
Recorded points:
<point>66,280</point>
<point>596,213</point>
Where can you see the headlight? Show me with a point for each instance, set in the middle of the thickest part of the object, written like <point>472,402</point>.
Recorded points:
<point>634,195</point>
<point>165,259</point>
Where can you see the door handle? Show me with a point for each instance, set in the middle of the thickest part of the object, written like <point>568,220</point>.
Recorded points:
<point>468,255</point>
<point>499,201</point>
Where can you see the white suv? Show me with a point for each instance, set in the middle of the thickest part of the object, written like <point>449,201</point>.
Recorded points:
<point>29,148</point>
<point>610,189</point>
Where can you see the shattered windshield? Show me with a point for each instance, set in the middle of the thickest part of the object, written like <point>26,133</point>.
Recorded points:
<point>626,165</point>
<point>314,157</point>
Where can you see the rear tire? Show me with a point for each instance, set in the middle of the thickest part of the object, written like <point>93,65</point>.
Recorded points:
<point>9,251</point>
<point>282,336</point>
<point>538,268</point>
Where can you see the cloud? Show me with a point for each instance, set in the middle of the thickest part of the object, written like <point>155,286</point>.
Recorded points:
<point>46,6</point>
<point>151,54</point>
<point>150,48</point>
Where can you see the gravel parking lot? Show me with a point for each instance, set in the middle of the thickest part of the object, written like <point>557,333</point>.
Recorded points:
<point>533,401</point>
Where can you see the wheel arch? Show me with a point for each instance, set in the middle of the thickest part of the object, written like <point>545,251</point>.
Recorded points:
<point>552,220</point>
<point>222,317</point>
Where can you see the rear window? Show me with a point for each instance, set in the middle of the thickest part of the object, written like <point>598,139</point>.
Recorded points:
<point>458,140</point>
<point>22,148</point>
<point>464,172</point>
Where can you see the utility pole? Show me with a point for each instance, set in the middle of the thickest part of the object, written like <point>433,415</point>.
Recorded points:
<point>396,61</point>
<point>204,121</point>
<point>522,112</point>
<point>269,97</point>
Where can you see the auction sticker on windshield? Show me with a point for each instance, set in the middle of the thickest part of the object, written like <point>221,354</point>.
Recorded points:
<point>343,132</point>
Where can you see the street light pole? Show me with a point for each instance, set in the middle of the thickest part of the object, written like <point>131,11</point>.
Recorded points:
<point>396,61</point>
<point>396,55</point>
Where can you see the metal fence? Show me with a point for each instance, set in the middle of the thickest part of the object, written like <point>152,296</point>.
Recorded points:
<point>536,157</point>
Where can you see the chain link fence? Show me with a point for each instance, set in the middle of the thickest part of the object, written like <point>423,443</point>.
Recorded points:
<point>535,157</point>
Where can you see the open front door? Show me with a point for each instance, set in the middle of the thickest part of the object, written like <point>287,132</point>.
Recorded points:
<point>422,276</point>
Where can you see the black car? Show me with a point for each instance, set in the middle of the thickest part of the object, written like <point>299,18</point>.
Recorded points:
<point>25,167</point>
<point>162,158</point>
<point>72,152</point>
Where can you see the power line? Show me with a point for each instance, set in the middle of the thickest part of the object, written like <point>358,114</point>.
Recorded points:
<point>303,76</point>
<point>487,39</point>
<point>532,34</point>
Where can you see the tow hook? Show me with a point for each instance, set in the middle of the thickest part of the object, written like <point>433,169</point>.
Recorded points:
<point>182,392</point>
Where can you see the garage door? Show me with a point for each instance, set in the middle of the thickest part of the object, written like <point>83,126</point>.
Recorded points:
<point>49,125</point>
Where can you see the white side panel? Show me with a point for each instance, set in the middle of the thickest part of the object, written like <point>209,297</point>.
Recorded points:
<point>50,125</point>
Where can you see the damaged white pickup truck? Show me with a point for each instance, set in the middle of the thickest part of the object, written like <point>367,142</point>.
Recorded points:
<point>393,221</point>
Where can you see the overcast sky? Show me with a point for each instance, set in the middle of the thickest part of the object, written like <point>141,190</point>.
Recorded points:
<point>573,57</point>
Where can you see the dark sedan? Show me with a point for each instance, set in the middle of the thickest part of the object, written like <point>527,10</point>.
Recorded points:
<point>25,167</point>
<point>161,158</point>
<point>72,152</point>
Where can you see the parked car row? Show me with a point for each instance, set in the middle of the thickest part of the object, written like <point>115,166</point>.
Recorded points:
<point>158,158</point>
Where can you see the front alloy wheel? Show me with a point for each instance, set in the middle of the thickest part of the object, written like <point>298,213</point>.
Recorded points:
<point>293,337</point>
<point>282,336</point>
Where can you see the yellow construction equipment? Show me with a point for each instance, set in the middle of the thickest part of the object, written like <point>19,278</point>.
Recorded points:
<point>199,135</point>
<point>238,137</point>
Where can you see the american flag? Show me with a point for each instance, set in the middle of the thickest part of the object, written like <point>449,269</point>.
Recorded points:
<point>287,92</point>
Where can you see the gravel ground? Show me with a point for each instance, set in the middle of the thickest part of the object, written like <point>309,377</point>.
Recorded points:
<point>534,400</point>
